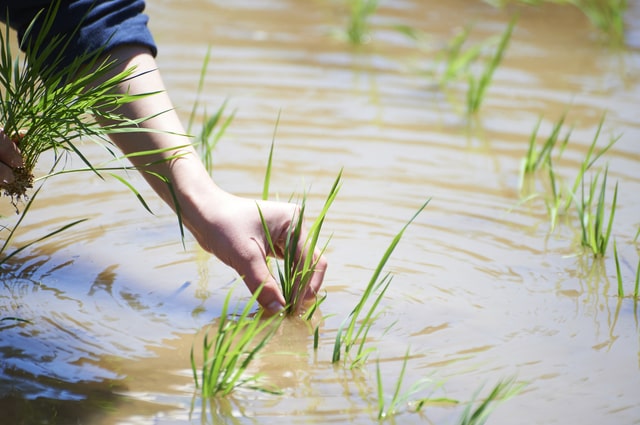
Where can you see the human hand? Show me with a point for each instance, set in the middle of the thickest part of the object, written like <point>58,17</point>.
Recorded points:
<point>237,238</point>
<point>10,158</point>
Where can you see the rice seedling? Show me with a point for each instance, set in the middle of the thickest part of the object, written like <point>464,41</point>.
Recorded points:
<point>457,60</point>
<point>295,272</point>
<point>354,330</point>
<point>605,15</point>
<point>392,406</point>
<point>619,279</point>
<point>501,392</point>
<point>478,87</point>
<point>534,158</point>
<point>294,275</point>
<point>596,229</point>
<point>589,160</point>
<point>358,29</point>
<point>213,128</point>
<point>618,273</point>
<point>42,108</point>
<point>238,338</point>
<point>45,106</point>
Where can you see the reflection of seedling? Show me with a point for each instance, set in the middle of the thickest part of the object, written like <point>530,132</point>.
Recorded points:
<point>354,330</point>
<point>596,229</point>
<point>239,337</point>
<point>42,108</point>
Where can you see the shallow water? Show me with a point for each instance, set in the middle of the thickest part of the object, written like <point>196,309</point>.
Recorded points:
<point>482,289</point>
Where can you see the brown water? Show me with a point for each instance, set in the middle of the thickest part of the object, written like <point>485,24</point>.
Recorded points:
<point>482,289</point>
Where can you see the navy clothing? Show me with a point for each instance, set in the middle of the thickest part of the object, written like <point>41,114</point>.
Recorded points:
<point>94,24</point>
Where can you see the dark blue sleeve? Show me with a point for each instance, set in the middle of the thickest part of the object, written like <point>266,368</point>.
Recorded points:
<point>92,24</point>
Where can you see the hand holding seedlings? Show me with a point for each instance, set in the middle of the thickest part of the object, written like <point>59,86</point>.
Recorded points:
<point>10,158</point>
<point>156,142</point>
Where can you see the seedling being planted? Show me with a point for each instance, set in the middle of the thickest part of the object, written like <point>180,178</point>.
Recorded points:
<point>231,347</point>
<point>353,331</point>
<point>295,271</point>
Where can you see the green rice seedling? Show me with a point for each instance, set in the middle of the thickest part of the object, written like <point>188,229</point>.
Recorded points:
<point>294,275</point>
<point>392,406</point>
<point>213,128</point>
<point>605,15</point>
<point>358,25</point>
<point>354,330</point>
<point>295,272</point>
<point>596,229</point>
<point>457,60</point>
<point>42,108</point>
<point>237,339</point>
<point>589,160</point>
<point>478,87</point>
<point>501,392</point>
<point>534,158</point>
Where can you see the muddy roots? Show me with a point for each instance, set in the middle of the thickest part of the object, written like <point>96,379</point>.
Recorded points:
<point>17,189</point>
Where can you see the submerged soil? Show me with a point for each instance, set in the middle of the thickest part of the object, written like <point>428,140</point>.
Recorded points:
<point>483,289</point>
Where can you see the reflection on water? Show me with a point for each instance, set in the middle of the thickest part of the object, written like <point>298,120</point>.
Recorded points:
<point>482,289</point>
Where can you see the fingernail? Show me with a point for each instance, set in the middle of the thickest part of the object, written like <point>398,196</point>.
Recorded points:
<point>275,307</point>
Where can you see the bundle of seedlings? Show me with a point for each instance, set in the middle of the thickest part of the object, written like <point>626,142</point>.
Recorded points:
<point>49,104</point>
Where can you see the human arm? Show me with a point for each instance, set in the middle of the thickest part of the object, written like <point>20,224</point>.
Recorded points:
<point>223,224</point>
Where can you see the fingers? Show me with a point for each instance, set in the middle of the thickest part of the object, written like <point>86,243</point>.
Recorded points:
<point>256,273</point>
<point>9,158</point>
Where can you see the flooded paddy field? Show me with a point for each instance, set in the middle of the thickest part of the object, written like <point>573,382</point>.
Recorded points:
<point>484,287</point>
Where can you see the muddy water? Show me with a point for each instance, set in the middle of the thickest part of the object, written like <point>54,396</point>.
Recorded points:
<point>482,289</point>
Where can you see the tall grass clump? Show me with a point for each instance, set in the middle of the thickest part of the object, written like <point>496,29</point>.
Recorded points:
<point>352,334</point>
<point>478,85</point>
<point>229,348</point>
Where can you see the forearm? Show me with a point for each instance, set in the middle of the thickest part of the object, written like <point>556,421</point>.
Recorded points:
<point>178,162</point>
